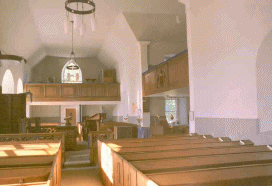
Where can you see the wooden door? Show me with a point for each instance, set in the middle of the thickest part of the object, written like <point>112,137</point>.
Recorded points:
<point>71,112</point>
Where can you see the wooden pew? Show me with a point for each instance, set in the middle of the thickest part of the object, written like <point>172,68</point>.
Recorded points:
<point>119,168</point>
<point>172,135</point>
<point>31,164</point>
<point>173,138</point>
<point>175,147</point>
<point>166,143</point>
<point>38,138</point>
<point>192,152</point>
<point>93,137</point>
<point>118,163</point>
<point>186,160</point>
<point>250,175</point>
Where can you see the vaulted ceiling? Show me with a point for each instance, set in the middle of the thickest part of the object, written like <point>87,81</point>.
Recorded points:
<point>29,27</point>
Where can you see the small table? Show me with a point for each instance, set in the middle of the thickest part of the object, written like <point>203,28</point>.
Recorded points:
<point>70,135</point>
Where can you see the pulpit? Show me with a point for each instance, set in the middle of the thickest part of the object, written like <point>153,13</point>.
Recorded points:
<point>70,135</point>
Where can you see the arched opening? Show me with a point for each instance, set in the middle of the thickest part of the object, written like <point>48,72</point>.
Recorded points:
<point>71,73</point>
<point>8,83</point>
<point>264,84</point>
<point>20,88</point>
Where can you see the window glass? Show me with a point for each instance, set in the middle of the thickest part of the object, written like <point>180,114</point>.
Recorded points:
<point>8,83</point>
<point>20,87</point>
<point>70,74</point>
<point>171,109</point>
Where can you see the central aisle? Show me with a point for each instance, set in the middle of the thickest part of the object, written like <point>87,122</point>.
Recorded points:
<point>77,170</point>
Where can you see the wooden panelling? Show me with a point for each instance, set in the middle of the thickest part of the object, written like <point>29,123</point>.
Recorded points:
<point>74,92</point>
<point>87,90</point>
<point>38,91</point>
<point>145,104</point>
<point>100,90</point>
<point>113,90</point>
<point>183,71</point>
<point>173,73</point>
<point>150,83</point>
<point>52,91</point>
<point>162,78</point>
<point>70,90</point>
<point>169,75</point>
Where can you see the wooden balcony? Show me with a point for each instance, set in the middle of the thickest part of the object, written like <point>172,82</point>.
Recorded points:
<point>168,75</point>
<point>46,92</point>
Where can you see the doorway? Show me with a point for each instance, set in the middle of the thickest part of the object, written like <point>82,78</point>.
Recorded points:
<point>71,112</point>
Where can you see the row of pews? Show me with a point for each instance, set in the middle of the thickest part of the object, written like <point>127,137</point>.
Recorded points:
<point>31,159</point>
<point>175,160</point>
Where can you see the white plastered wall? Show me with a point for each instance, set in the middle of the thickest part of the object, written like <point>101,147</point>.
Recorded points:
<point>122,51</point>
<point>223,42</point>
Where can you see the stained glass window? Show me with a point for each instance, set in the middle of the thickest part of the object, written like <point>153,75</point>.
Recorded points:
<point>171,109</point>
<point>71,73</point>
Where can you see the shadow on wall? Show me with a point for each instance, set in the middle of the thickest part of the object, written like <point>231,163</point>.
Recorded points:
<point>264,84</point>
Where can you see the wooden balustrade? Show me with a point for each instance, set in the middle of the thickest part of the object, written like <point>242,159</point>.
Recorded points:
<point>169,75</point>
<point>74,92</point>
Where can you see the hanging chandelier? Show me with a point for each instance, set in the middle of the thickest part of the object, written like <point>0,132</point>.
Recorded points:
<point>80,11</point>
<point>72,62</point>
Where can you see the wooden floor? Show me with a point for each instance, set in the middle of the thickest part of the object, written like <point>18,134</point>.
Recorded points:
<point>77,170</point>
<point>80,177</point>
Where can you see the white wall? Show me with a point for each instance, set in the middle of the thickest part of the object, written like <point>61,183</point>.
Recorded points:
<point>224,40</point>
<point>158,50</point>
<point>63,112</point>
<point>157,106</point>
<point>90,110</point>
<point>182,104</point>
<point>264,84</point>
<point>122,51</point>
<point>45,111</point>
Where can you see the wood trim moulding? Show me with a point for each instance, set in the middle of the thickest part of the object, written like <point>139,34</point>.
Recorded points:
<point>76,99</point>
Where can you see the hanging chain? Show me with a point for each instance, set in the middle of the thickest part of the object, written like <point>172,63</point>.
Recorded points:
<point>72,37</point>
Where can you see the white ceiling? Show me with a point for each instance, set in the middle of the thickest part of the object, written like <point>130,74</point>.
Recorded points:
<point>31,25</point>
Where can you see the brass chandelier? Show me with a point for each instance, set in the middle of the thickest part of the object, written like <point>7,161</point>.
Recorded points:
<point>80,11</point>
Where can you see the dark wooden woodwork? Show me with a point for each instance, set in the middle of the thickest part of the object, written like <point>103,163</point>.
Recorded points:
<point>162,78</point>
<point>70,135</point>
<point>70,90</point>
<point>74,92</point>
<point>100,90</point>
<point>87,90</point>
<point>150,83</point>
<point>113,90</point>
<point>169,75</point>
<point>53,91</point>
<point>13,110</point>
<point>38,90</point>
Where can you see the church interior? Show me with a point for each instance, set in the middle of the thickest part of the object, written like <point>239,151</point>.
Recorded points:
<point>135,92</point>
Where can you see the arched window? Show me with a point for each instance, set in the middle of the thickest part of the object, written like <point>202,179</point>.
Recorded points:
<point>71,73</point>
<point>20,87</point>
<point>8,83</point>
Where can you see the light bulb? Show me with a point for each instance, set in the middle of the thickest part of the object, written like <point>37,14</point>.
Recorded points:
<point>66,28</point>
<point>93,24</point>
<point>82,29</point>
<point>77,21</point>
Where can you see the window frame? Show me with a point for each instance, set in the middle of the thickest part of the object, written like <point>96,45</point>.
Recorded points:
<point>175,112</point>
<point>64,70</point>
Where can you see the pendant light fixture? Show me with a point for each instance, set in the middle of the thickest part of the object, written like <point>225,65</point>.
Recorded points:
<point>72,65</point>
<point>80,11</point>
